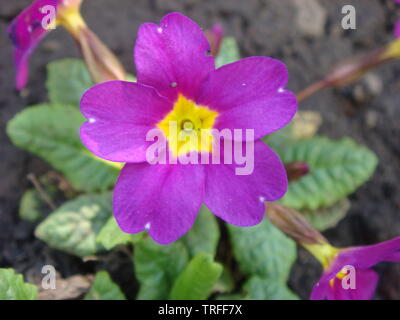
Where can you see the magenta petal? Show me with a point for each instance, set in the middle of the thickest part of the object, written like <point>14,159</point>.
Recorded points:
<point>249,94</point>
<point>321,291</point>
<point>120,114</point>
<point>366,257</point>
<point>26,31</point>
<point>365,281</point>
<point>239,199</point>
<point>365,286</point>
<point>397,30</point>
<point>173,57</point>
<point>163,199</point>
<point>395,257</point>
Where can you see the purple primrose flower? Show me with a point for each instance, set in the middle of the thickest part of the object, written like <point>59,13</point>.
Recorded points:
<point>178,82</point>
<point>362,259</point>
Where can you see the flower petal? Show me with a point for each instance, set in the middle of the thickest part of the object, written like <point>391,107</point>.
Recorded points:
<point>321,291</point>
<point>366,257</point>
<point>365,286</point>
<point>239,199</point>
<point>249,94</point>
<point>26,31</point>
<point>163,199</point>
<point>397,30</point>
<point>120,114</point>
<point>173,57</point>
<point>365,281</point>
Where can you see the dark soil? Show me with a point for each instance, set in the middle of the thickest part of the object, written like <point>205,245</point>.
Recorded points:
<point>369,113</point>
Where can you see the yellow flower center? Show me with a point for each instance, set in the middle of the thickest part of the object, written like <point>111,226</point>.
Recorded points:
<point>340,275</point>
<point>188,127</point>
<point>324,253</point>
<point>69,16</point>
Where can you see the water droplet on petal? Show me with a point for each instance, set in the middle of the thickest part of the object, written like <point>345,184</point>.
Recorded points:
<point>92,120</point>
<point>147,226</point>
<point>159,30</point>
<point>262,199</point>
<point>173,84</point>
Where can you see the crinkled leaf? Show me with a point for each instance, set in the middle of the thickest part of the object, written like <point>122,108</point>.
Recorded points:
<point>328,217</point>
<point>204,235</point>
<point>111,235</point>
<point>13,286</point>
<point>198,279</point>
<point>259,288</point>
<point>67,80</point>
<point>103,288</point>
<point>157,267</point>
<point>263,250</point>
<point>228,53</point>
<point>52,132</point>
<point>337,169</point>
<point>75,225</point>
<point>31,206</point>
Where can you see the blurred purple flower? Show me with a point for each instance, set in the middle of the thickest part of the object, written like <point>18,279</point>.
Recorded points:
<point>25,32</point>
<point>177,81</point>
<point>363,258</point>
<point>32,24</point>
<point>29,28</point>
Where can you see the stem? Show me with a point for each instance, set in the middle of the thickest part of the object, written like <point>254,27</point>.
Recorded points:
<point>312,89</point>
<point>43,194</point>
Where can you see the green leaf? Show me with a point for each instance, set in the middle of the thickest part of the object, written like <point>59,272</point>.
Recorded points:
<point>263,250</point>
<point>67,80</point>
<point>131,78</point>
<point>198,279</point>
<point>111,235</point>
<point>233,296</point>
<point>103,288</point>
<point>52,132</point>
<point>13,286</point>
<point>328,217</point>
<point>228,53</point>
<point>157,267</point>
<point>338,168</point>
<point>204,235</point>
<point>268,289</point>
<point>75,225</point>
<point>31,206</point>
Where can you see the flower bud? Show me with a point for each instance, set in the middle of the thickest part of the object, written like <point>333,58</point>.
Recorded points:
<point>296,170</point>
<point>294,225</point>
